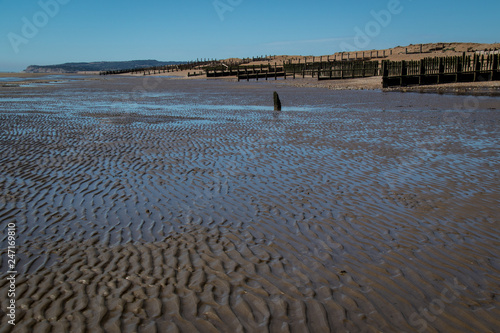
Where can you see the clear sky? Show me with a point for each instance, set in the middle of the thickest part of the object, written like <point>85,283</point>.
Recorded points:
<point>44,32</point>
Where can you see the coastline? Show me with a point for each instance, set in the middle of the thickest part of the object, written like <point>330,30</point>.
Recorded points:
<point>483,88</point>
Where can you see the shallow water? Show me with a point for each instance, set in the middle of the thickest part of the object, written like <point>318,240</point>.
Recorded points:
<point>325,215</point>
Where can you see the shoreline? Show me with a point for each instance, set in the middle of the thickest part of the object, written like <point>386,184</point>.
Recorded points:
<point>484,88</point>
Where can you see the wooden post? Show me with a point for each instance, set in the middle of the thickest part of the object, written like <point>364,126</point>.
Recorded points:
<point>496,65</point>
<point>385,74</point>
<point>275,71</point>
<point>477,67</point>
<point>441,70</point>
<point>421,72</point>
<point>277,102</point>
<point>404,71</point>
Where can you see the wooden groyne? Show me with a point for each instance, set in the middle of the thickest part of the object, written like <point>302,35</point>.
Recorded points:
<point>160,69</point>
<point>441,70</point>
<point>464,68</point>
<point>245,72</point>
<point>349,70</point>
<point>198,64</point>
<point>322,70</point>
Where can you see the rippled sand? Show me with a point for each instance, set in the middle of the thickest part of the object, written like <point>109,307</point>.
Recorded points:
<point>156,205</point>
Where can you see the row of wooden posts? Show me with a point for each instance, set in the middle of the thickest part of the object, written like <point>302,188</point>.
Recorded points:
<point>160,69</point>
<point>321,70</point>
<point>441,70</point>
<point>394,73</point>
<point>180,67</point>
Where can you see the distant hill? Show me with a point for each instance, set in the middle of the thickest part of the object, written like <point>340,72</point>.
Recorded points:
<point>74,67</point>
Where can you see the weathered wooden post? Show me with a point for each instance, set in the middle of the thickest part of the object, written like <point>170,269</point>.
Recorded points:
<point>277,102</point>
<point>496,67</point>
<point>441,70</point>
<point>404,71</point>
<point>385,74</point>
<point>421,72</point>
<point>477,66</point>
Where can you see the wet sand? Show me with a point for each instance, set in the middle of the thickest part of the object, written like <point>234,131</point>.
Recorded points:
<point>159,205</point>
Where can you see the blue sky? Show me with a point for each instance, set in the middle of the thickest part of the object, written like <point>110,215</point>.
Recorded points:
<point>90,30</point>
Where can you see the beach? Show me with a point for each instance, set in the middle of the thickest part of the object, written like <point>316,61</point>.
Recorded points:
<point>156,204</point>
